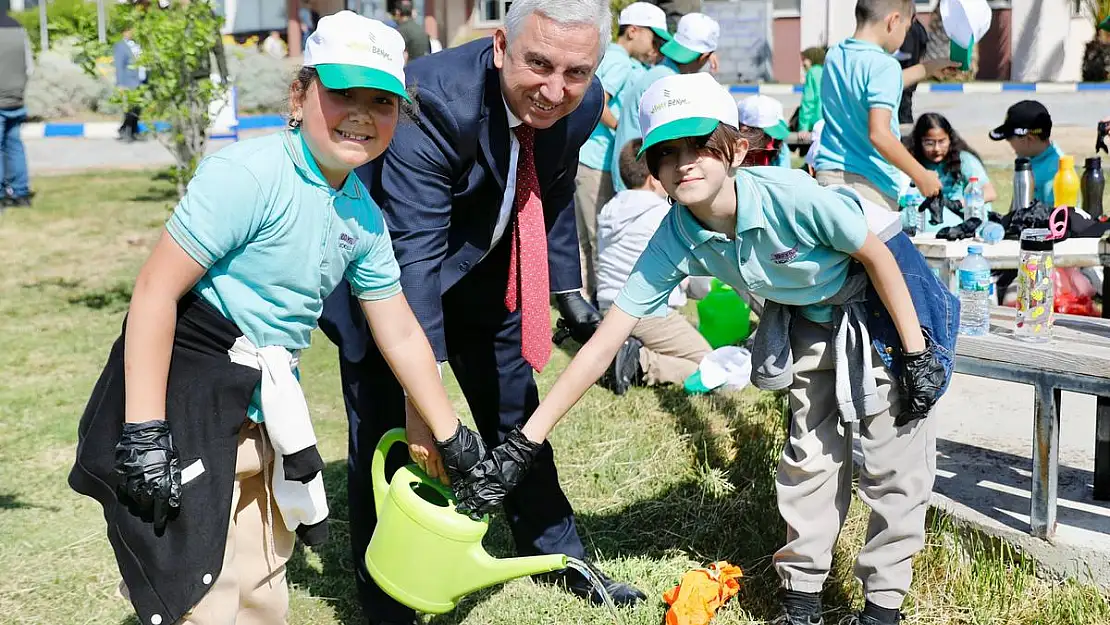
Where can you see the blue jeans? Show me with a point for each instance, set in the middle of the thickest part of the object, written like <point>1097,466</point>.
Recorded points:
<point>13,159</point>
<point>938,311</point>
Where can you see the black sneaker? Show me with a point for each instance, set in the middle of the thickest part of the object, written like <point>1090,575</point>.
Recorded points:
<point>624,371</point>
<point>859,618</point>
<point>18,202</point>
<point>791,619</point>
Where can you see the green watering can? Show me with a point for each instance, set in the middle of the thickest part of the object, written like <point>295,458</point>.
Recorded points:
<point>723,316</point>
<point>423,553</point>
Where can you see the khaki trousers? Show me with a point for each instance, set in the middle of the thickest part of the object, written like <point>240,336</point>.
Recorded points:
<point>858,183</point>
<point>673,348</point>
<point>593,188</point>
<point>251,588</point>
<point>814,479</point>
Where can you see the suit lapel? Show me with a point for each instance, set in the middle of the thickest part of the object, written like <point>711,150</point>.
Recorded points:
<point>494,137</point>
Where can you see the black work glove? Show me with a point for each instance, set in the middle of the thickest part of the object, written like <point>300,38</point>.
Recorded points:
<point>148,473</point>
<point>461,453</point>
<point>922,380</point>
<point>1100,140</point>
<point>497,475</point>
<point>579,317</point>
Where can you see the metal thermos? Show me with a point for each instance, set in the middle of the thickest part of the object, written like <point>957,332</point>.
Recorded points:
<point>1023,185</point>
<point>1091,186</point>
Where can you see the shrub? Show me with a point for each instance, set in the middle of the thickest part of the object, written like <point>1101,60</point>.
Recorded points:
<point>60,88</point>
<point>261,81</point>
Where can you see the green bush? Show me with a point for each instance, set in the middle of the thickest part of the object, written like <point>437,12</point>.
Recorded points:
<point>59,88</point>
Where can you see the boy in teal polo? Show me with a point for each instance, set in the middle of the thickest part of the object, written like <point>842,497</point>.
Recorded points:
<point>689,50</point>
<point>844,328</point>
<point>861,90</point>
<point>1028,130</point>
<point>642,30</point>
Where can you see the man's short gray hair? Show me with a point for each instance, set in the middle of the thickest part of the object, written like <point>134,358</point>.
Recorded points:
<point>566,13</point>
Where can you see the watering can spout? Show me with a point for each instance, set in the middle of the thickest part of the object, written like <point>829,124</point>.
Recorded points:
<point>490,571</point>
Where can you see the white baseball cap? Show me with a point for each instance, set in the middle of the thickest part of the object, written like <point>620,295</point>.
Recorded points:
<point>645,14</point>
<point>696,34</point>
<point>761,111</point>
<point>685,105</point>
<point>349,50</point>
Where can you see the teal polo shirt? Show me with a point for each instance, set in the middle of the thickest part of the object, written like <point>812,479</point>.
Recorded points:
<point>953,187</point>
<point>792,245</point>
<point>1045,166</point>
<point>628,126</point>
<point>274,238</point>
<point>616,72</point>
<point>859,76</point>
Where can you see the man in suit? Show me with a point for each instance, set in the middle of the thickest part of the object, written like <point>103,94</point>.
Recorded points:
<point>478,193</point>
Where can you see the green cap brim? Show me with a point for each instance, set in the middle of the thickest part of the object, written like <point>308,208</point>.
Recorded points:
<point>1104,24</point>
<point>340,76</point>
<point>680,129</point>
<point>778,131</point>
<point>678,53</point>
<point>960,55</point>
<point>666,36</point>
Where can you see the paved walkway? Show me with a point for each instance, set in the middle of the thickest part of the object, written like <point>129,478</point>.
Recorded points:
<point>973,115</point>
<point>985,447</point>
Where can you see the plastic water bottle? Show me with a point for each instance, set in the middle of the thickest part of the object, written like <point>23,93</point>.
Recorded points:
<point>974,204</point>
<point>975,291</point>
<point>913,222</point>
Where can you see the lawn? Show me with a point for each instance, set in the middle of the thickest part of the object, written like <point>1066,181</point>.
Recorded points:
<point>661,482</point>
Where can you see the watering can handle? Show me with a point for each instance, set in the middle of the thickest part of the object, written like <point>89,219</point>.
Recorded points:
<point>377,467</point>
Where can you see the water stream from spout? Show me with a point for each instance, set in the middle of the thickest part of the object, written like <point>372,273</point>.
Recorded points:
<point>599,588</point>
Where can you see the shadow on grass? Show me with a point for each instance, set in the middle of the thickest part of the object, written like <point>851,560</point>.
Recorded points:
<point>161,193</point>
<point>115,298</point>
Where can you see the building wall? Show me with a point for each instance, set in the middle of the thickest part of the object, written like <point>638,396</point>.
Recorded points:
<point>1045,47</point>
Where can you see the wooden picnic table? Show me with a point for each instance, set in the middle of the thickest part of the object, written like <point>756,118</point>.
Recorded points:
<point>945,256</point>
<point>1077,359</point>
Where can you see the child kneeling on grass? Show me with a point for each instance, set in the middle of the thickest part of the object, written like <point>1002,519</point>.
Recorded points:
<point>206,464</point>
<point>858,345</point>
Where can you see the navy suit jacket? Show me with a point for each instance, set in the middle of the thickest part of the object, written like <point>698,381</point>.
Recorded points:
<point>441,182</point>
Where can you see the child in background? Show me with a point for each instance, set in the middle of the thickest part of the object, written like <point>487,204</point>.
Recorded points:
<point>861,91</point>
<point>763,115</point>
<point>687,52</point>
<point>662,350</point>
<point>811,253</point>
<point>197,440</point>
<point>810,112</point>
<point>937,146</point>
<point>1028,130</point>
<point>641,31</point>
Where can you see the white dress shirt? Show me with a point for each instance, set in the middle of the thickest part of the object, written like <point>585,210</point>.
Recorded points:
<point>509,198</point>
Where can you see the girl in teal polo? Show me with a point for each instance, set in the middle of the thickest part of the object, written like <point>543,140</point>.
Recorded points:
<point>197,439</point>
<point>937,146</point>
<point>856,344</point>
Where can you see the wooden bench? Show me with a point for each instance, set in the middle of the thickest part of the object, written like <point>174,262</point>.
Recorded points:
<point>945,256</point>
<point>1078,360</point>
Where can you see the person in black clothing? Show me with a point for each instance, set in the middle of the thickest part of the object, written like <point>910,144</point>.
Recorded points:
<point>911,53</point>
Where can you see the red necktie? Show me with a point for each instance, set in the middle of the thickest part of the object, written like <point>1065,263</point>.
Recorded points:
<point>528,281</point>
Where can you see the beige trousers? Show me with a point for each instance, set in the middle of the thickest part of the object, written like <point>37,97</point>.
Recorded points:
<point>861,185</point>
<point>673,348</point>
<point>814,478</point>
<point>251,588</point>
<point>593,188</point>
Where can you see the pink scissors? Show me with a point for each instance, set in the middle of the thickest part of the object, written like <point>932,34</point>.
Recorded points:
<point>1058,223</point>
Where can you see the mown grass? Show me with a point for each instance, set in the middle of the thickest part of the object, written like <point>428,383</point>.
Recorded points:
<point>661,482</point>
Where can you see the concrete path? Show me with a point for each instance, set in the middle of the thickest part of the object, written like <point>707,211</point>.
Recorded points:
<point>973,115</point>
<point>984,464</point>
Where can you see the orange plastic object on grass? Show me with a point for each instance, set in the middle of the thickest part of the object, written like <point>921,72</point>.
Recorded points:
<point>696,598</point>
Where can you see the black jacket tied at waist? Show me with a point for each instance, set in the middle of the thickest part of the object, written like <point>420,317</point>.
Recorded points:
<point>206,403</point>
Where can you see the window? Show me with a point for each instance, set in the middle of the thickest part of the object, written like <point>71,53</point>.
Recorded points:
<point>491,12</point>
<point>787,7</point>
